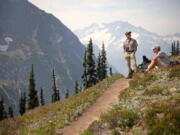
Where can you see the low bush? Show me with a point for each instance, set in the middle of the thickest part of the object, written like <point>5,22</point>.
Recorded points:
<point>142,80</point>
<point>155,90</point>
<point>174,72</point>
<point>163,119</point>
<point>120,118</point>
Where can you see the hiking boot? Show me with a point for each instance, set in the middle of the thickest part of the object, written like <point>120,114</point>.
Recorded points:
<point>130,74</point>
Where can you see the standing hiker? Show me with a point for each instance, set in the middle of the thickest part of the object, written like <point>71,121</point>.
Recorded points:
<point>130,48</point>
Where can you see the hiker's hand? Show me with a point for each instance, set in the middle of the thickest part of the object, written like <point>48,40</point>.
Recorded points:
<point>146,71</point>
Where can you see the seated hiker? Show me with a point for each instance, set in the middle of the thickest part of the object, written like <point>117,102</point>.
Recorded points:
<point>160,60</point>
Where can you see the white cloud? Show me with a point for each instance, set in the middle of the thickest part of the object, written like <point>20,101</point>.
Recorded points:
<point>79,13</point>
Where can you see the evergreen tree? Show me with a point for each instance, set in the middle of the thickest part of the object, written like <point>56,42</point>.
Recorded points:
<point>2,109</point>
<point>33,95</point>
<point>98,68</point>
<point>5,114</point>
<point>172,49</point>
<point>55,95</point>
<point>177,48</point>
<point>67,93</point>
<point>80,89</point>
<point>103,63</point>
<point>10,112</point>
<point>22,103</point>
<point>110,71</point>
<point>84,76</point>
<point>42,97</point>
<point>76,88</point>
<point>91,67</point>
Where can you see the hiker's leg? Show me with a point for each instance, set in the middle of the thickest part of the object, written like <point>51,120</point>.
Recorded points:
<point>133,61</point>
<point>152,65</point>
<point>128,61</point>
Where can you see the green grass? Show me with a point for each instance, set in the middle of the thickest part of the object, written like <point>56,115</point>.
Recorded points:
<point>115,132</point>
<point>174,72</point>
<point>150,106</point>
<point>47,119</point>
<point>120,118</point>
<point>87,132</point>
<point>142,80</point>
<point>163,119</point>
<point>155,90</point>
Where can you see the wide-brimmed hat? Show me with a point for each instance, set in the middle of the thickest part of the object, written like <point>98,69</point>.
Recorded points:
<point>128,33</point>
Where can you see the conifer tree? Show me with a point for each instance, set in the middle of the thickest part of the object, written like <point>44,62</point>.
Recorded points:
<point>80,89</point>
<point>103,63</point>
<point>67,93</point>
<point>55,95</point>
<point>76,88</point>
<point>177,48</point>
<point>22,103</point>
<point>91,67</point>
<point>33,100</point>
<point>110,71</point>
<point>10,112</point>
<point>84,76</point>
<point>2,109</point>
<point>42,97</point>
<point>98,68</point>
<point>5,114</point>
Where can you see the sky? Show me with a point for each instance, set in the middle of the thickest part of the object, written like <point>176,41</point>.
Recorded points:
<point>159,16</point>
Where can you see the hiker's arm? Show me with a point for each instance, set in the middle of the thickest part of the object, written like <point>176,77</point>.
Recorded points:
<point>135,46</point>
<point>124,47</point>
<point>156,57</point>
<point>152,64</point>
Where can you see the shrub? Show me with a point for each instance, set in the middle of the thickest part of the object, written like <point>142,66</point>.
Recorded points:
<point>166,124</point>
<point>174,72</point>
<point>87,132</point>
<point>142,80</point>
<point>155,90</point>
<point>125,93</point>
<point>115,132</point>
<point>120,118</point>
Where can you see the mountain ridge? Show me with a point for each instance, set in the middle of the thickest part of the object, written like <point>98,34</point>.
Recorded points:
<point>29,35</point>
<point>112,34</point>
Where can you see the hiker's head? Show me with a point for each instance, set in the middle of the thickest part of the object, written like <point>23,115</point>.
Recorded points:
<point>128,35</point>
<point>156,49</point>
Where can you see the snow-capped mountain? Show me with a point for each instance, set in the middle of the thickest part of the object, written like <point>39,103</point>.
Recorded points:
<point>112,34</point>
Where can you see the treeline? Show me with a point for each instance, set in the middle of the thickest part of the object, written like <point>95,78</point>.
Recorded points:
<point>94,71</point>
<point>175,50</point>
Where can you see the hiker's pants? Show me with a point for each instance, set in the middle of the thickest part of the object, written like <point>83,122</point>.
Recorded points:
<point>130,59</point>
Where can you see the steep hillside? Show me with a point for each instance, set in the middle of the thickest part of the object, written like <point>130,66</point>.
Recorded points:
<point>150,106</point>
<point>47,119</point>
<point>29,35</point>
<point>112,34</point>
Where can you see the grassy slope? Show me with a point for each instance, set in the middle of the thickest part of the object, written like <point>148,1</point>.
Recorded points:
<point>46,119</point>
<point>150,106</point>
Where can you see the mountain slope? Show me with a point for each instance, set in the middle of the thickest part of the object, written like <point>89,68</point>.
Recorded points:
<point>112,34</point>
<point>28,36</point>
<point>46,120</point>
<point>150,106</point>
<point>100,106</point>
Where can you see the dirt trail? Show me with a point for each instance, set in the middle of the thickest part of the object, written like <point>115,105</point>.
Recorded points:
<point>102,104</point>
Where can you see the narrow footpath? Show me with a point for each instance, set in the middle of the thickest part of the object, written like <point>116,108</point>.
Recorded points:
<point>102,104</point>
